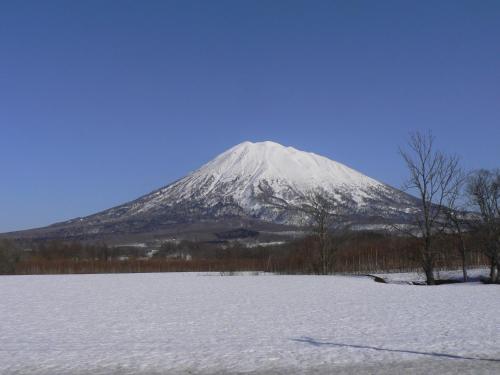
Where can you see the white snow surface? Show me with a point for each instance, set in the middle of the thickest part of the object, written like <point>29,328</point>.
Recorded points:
<point>270,161</point>
<point>241,169</point>
<point>191,323</point>
<point>408,277</point>
<point>276,164</point>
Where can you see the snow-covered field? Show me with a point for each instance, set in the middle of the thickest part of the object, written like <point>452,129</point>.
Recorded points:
<point>209,324</point>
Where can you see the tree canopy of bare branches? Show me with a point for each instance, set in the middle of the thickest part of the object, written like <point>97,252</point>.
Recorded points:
<point>459,219</point>
<point>433,177</point>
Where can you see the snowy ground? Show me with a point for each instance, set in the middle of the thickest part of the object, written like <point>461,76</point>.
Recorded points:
<point>199,324</point>
<point>413,277</point>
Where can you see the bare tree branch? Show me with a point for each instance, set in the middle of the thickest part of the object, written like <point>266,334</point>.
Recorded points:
<point>432,175</point>
<point>483,189</point>
<point>324,211</point>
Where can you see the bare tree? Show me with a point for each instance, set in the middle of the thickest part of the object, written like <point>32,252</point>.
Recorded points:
<point>326,213</point>
<point>483,188</point>
<point>432,177</point>
<point>458,218</point>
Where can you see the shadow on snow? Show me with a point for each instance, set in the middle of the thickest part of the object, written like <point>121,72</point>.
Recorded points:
<point>313,342</point>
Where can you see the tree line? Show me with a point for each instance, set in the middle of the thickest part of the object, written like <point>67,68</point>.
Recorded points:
<point>355,252</point>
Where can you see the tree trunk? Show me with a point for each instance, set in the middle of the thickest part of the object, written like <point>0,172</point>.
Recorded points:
<point>463,253</point>
<point>494,272</point>
<point>428,261</point>
<point>428,266</point>
<point>464,271</point>
<point>429,275</point>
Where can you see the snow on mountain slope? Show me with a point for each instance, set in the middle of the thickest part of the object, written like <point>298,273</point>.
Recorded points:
<point>229,184</point>
<point>252,163</point>
<point>241,169</point>
<point>272,161</point>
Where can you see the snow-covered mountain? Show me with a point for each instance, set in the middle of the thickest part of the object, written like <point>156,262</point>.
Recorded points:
<point>229,188</point>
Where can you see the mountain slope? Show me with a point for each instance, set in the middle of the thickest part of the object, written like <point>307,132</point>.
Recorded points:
<point>227,190</point>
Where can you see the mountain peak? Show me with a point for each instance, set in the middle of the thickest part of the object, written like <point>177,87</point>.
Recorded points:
<point>258,146</point>
<point>272,161</point>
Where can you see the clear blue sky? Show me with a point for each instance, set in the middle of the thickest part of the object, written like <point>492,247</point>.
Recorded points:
<point>103,101</point>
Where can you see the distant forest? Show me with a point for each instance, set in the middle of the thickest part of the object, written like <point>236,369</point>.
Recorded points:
<point>355,252</point>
